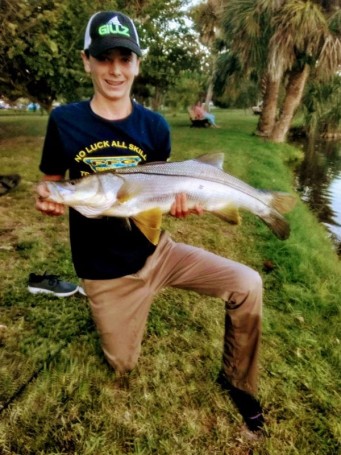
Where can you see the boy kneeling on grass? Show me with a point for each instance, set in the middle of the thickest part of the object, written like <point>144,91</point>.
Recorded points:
<point>120,269</point>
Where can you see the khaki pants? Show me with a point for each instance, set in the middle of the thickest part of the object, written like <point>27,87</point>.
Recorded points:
<point>120,306</point>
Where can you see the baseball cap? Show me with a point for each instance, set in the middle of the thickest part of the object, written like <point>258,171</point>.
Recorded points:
<point>109,29</point>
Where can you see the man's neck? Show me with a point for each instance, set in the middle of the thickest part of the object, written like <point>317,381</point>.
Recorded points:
<point>111,110</point>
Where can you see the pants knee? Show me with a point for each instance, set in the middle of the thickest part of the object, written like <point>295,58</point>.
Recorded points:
<point>120,361</point>
<point>256,282</point>
<point>248,291</point>
<point>120,365</point>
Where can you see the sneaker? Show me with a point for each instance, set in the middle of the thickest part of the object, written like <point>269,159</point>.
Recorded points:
<point>50,284</point>
<point>8,182</point>
<point>81,290</point>
<point>248,406</point>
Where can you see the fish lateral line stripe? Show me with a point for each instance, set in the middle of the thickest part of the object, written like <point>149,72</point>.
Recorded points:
<point>235,184</point>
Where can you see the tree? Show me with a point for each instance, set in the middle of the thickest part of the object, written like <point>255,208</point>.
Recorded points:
<point>166,62</point>
<point>206,17</point>
<point>40,44</point>
<point>171,47</point>
<point>247,30</point>
<point>304,41</point>
<point>286,42</point>
<point>188,88</point>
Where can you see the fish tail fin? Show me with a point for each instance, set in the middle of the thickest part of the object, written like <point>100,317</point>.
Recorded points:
<point>282,202</point>
<point>277,224</point>
<point>149,223</point>
<point>279,203</point>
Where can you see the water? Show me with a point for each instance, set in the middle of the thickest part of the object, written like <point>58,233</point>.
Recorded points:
<point>318,181</point>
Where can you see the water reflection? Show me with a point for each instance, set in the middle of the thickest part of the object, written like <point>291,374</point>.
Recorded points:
<point>318,180</point>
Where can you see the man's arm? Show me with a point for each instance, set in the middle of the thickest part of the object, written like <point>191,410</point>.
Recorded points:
<point>44,206</point>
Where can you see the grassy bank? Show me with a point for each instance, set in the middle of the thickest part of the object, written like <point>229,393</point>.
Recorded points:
<point>57,394</point>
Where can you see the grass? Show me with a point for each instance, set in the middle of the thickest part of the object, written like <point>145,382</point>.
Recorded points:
<point>57,394</point>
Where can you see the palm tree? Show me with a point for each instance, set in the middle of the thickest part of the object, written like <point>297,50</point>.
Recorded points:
<point>206,18</point>
<point>286,42</point>
<point>303,42</point>
<point>247,29</point>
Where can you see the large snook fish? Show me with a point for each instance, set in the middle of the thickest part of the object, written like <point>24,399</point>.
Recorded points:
<point>144,193</point>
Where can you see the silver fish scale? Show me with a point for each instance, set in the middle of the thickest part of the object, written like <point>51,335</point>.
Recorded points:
<point>195,169</point>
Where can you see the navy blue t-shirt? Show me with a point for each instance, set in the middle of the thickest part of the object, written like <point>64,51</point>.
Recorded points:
<point>82,143</point>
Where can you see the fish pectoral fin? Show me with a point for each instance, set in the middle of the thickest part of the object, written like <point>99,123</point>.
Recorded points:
<point>128,191</point>
<point>283,202</point>
<point>228,213</point>
<point>149,223</point>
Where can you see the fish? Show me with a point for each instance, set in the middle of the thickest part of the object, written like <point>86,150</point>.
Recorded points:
<point>144,193</point>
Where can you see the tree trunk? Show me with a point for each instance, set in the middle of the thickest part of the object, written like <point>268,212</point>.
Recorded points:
<point>267,118</point>
<point>209,95</point>
<point>293,96</point>
<point>45,105</point>
<point>157,99</point>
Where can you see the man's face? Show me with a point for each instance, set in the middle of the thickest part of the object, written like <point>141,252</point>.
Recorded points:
<point>113,73</point>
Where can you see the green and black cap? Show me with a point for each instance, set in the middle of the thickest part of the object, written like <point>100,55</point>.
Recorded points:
<point>109,29</point>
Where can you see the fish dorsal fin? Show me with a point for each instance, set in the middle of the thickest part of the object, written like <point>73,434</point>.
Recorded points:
<point>214,159</point>
<point>149,223</point>
<point>228,213</point>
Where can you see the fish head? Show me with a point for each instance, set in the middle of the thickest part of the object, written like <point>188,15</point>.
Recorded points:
<point>73,192</point>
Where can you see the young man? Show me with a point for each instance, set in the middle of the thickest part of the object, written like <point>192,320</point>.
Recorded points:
<point>121,270</point>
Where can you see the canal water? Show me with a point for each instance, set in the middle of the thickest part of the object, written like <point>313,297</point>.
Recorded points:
<point>318,181</point>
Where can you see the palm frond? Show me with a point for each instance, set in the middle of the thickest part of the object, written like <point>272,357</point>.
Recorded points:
<point>330,57</point>
<point>302,33</point>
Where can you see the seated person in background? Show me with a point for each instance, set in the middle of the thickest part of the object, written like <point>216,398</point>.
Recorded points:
<point>201,114</point>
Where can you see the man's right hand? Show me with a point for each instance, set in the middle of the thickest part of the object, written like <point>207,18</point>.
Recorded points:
<point>180,209</point>
<point>43,204</point>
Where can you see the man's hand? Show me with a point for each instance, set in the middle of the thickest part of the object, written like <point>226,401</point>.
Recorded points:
<point>180,209</point>
<point>42,204</point>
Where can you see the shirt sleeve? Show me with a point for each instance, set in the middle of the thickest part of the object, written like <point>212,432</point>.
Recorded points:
<point>53,158</point>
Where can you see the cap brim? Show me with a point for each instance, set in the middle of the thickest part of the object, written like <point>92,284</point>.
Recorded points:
<point>104,45</point>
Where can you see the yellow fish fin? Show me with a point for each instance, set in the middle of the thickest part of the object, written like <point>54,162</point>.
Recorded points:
<point>128,191</point>
<point>228,213</point>
<point>149,223</point>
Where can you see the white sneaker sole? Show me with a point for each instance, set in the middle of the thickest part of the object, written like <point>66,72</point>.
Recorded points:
<point>81,291</point>
<point>33,290</point>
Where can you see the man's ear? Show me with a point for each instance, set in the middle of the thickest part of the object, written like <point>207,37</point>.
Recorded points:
<point>137,69</point>
<point>86,62</point>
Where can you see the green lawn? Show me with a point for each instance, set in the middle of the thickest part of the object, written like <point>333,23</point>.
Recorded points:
<point>57,394</point>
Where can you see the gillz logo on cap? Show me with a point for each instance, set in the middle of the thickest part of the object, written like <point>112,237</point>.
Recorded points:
<point>113,27</point>
<point>109,29</point>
